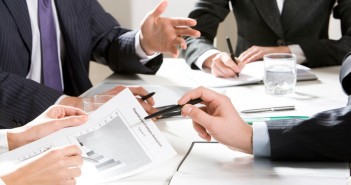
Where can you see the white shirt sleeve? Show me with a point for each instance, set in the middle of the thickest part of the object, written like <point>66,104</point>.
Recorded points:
<point>4,147</point>
<point>144,58</point>
<point>2,182</point>
<point>261,143</point>
<point>300,55</point>
<point>204,56</point>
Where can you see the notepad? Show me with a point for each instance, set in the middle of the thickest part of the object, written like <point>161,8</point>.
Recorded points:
<point>208,163</point>
<point>251,74</point>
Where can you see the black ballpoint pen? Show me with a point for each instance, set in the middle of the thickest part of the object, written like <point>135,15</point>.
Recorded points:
<point>147,96</point>
<point>232,55</point>
<point>172,108</point>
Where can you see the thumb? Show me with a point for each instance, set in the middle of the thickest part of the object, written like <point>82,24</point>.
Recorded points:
<point>160,8</point>
<point>197,115</point>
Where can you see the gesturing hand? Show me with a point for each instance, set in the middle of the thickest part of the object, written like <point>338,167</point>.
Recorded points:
<point>161,34</point>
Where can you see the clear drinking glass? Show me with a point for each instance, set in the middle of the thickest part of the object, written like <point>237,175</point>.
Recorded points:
<point>90,104</point>
<point>279,73</point>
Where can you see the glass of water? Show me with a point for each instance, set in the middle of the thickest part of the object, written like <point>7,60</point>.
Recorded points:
<point>279,73</point>
<point>90,104</point>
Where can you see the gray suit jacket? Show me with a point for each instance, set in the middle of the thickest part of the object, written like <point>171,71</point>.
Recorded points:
<point>302,22</point>
<point>323,137</point>
<point>89,33</point>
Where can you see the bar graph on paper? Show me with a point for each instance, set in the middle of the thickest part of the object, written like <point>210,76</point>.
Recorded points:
<point>109,150</point>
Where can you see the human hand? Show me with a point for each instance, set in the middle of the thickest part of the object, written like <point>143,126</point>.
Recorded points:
<point>162,34</point>
<point>255,53</point>
<point>222,65</point>
<point>218,119</point>
<point>138,92</point>
<point>53,119</point>
<point>57,166</point>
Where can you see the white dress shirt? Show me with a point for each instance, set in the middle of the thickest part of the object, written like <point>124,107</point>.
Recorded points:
<point>294,49</point>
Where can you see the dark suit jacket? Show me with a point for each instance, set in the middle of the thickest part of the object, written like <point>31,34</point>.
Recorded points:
<point>302,22</point>
<point>325,136</point>
<point>89,33</point>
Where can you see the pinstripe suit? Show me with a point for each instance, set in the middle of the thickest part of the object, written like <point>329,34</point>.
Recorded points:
<point>325,136</point>
<point>302,22</point>
<point>89,33</point>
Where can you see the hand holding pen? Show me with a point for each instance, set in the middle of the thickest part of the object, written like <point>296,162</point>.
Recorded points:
<point>232,55</point>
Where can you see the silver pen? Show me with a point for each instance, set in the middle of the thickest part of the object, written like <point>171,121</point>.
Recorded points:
<point>281,108</point>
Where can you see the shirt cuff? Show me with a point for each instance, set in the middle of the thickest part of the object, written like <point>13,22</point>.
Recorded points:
<point>200,61</point>
<point>144,58</point>
<point>300,55</point>
<point>4,145</point>
<point>261,143</point>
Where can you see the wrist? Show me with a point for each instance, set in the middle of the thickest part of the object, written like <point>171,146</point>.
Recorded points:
<point>72,101</point>
<point>16,139</point>
<point>144,45</point>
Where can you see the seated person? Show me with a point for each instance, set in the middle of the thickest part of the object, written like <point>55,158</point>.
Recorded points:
<point>46,48</point>
<point>56,166</point>
<point>277,26</point>
<point>323,137</point>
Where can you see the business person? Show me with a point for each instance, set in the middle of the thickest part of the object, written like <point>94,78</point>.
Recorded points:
<point>273,26</point>
<point>56,166</point>
<point>46,46</point>
<point>323,137</point>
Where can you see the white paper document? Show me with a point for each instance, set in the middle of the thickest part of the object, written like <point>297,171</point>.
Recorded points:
<point>252,73</point>
<point>116,137</point>
<point>214,163</point>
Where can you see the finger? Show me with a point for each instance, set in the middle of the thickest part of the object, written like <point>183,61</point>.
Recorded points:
<point>140,91</point>
<point>201,131</point>
<point>186,31</point>
<point>219,69</point>
<point>205,94</point>
<point>198,116</point>
<point>74,161</point>
<point>60,111</point>
<point>71,121</point>
<point>247,54</point>
<point>160,8</point>
<point>148,108</point>
<point>70,150</point>
<point>179,41</point>
<point>254,57</point>
<point>114,90</point>
<point>70,182</point>
<point>74,172</point>
<point>183,22</point>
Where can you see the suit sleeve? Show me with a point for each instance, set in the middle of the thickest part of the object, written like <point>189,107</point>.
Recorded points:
<point>22,100</point>
<point>208,15</point>
<point>327,52</point>
<point>114,45</point>
<point>323,137</point>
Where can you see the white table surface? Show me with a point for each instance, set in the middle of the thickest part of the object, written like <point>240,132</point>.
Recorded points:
<point>179,131</point>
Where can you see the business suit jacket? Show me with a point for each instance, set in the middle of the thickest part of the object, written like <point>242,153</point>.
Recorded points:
<point>302,22</point>
<point>89,33</point>
<point>325,136</point>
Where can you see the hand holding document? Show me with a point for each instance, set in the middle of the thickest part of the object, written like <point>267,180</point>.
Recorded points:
<point>116,141</point>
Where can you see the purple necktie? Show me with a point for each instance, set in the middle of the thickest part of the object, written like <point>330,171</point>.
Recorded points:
<point>49,52</point>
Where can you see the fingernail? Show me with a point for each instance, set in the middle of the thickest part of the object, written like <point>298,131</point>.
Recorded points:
<point>188,110</point>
